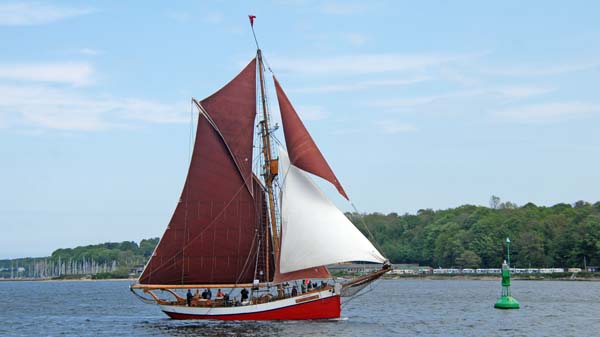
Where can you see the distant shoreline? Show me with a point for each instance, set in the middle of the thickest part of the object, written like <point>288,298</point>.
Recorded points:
<point>514,277</point>
<point>66,280</point>
<point>593,278</point>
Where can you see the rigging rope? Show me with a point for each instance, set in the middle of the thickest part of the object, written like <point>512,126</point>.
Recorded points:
<point>364,223</point>
<point>142,298</point>
<point>187,190</point>
<point>252,17</point>
<point>253,34</point>
<point>191,135</point>
<point>358,295</point>
<point>187,193</point>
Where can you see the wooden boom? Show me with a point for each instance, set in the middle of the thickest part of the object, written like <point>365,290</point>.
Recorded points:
<point>193,286</point>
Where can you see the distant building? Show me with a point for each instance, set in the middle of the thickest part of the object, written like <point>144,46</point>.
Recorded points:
<point>415,269</point>
<point>365,268</point>
<point>136,270</point>
<point>354,268</point>
<point>405,269</point>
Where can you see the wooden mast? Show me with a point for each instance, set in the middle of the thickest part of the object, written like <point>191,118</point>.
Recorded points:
<point>270,165</point>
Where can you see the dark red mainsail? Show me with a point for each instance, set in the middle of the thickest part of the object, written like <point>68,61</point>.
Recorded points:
<point>301,148</point>
<point>233,110</point>
<point>214,234</point>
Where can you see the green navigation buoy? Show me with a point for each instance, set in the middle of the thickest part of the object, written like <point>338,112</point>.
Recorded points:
<point>506,301</point>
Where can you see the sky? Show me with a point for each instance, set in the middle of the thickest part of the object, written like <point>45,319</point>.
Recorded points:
<point>429,104</point>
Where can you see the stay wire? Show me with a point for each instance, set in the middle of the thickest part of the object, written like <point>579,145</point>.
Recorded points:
<point>187,190</point>
<point>191,133</point>
<point>364,223</point>
<point>358,295</point>
<point>254,34</point>
<point>258,47</point>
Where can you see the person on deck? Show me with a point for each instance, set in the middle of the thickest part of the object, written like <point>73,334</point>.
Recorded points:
<point>189,297</point>
<point>244,294</point>
<point>303,287</point>
<point>294,291</point>
<point>220,295</point>
<point>205,294</point>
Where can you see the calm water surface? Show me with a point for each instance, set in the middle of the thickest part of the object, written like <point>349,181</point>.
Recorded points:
<point>392,308</point>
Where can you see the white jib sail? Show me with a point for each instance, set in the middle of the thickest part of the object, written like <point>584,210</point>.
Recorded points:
<point>313,231</point>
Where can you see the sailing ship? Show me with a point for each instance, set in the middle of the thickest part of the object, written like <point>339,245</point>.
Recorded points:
<point>261,236</point>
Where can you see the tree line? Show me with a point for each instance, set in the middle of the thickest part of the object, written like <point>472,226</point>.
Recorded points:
<point>563,235</point>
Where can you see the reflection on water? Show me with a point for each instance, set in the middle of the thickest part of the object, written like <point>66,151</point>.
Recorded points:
<point>175,328</point>
<point>210,328</point>
<point>393,308</point>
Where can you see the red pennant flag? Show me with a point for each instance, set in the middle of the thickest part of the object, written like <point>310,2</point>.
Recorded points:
<point>252,17</point>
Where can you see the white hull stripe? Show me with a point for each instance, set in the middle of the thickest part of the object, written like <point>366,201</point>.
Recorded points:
<point>249,309</point>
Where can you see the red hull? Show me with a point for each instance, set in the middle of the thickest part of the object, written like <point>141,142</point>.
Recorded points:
<point>326,308</point>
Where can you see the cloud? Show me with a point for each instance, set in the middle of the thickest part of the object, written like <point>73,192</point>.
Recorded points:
<point>365,63</point>
<point>291,2</point>
<point>312,112</point>
<point>347,131</point>
<point>457,76</point>
<point>360,85</point>
<point>34,13</point>
<point>185,17</point>
<point>356,39</point>
<point>88,51</point>
<point>212,18</point>
<point>179,16</point>
<point>537,70</point>
<point>152,111</point>
<point>75,73</point>
<point>500,92</point>
<point>79,52</point>
<point>522,91</point>
<point>4,123</point>
<point>393,127</point>
<point>546,112</point>
<point>66,109</point>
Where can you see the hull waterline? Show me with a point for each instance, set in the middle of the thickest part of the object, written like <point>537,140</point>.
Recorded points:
<point>318,305</point>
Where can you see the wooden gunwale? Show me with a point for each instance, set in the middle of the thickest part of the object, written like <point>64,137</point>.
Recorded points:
<point>194,286</point>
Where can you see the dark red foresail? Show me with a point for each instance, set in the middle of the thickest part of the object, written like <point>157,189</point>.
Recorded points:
<point>233,110</point>
<point>213,236</point>
<point>301,148</point>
